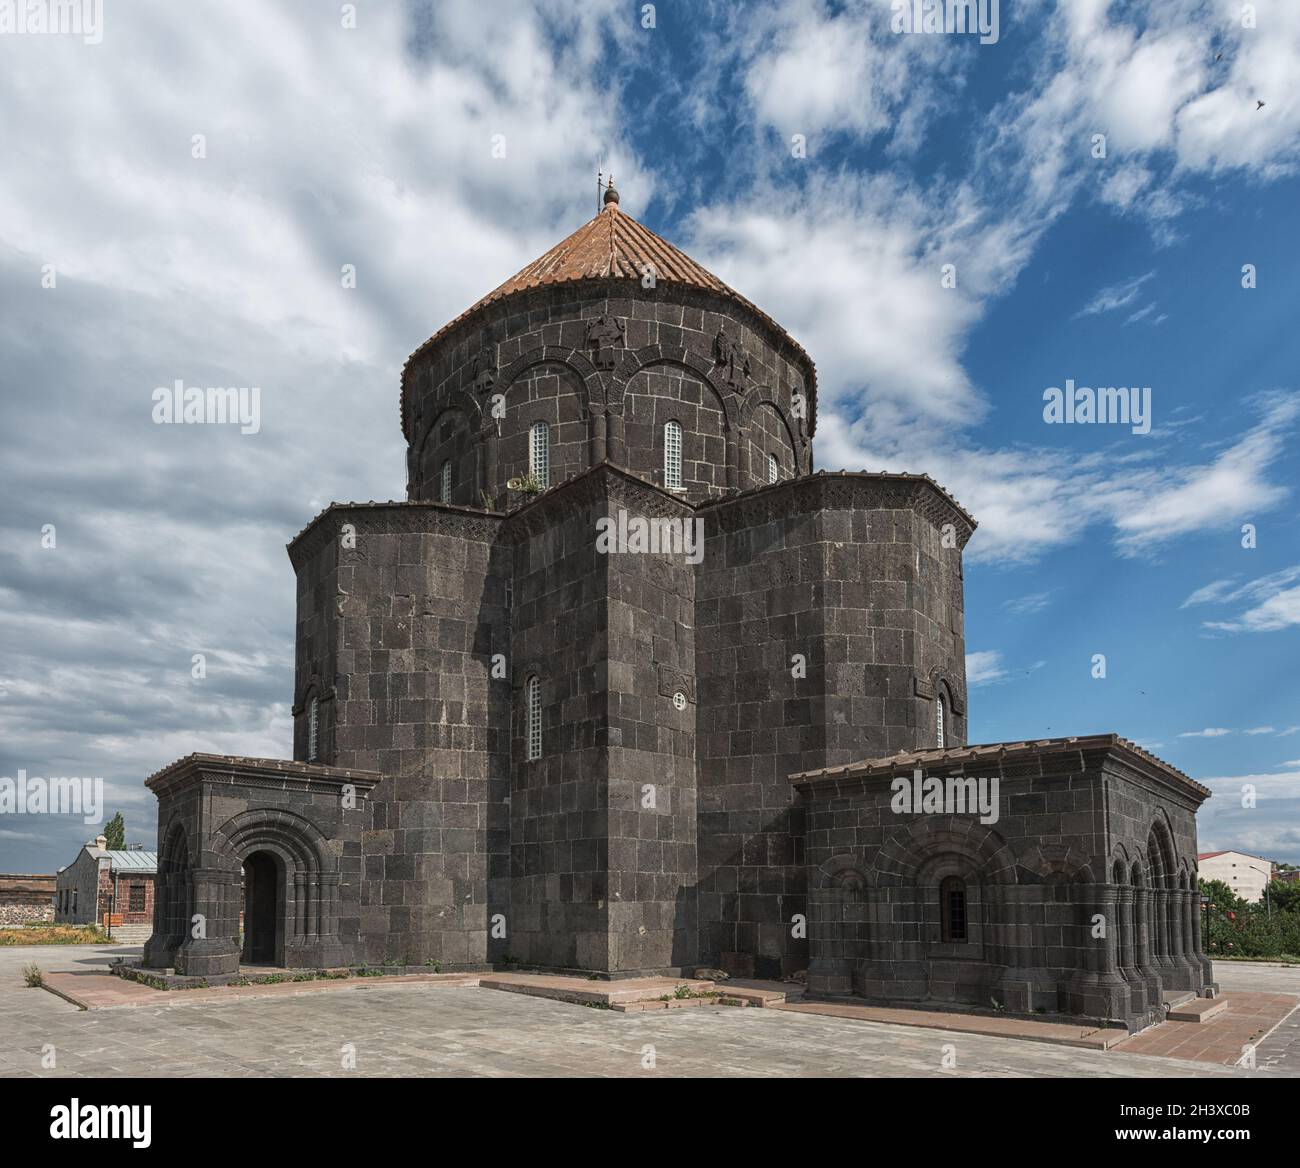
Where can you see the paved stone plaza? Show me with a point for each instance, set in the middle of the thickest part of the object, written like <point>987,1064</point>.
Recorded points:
<point>422,1030</point>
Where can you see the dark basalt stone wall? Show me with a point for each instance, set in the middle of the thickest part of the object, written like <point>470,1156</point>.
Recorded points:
<point>605,364</point>
<point>828,616</point>
<point>593,856</point>
<point>402,607</point>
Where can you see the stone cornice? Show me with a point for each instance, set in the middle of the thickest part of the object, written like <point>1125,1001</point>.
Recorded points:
<point>1083,753</point>
<point>275,773</point>
<point>827,490</point>
<point>395,517</point>
<point>863,490</point>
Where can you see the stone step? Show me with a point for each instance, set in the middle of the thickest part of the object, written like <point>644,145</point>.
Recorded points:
<point>132,934</point>
<point>752,993</point>
<point>1173,998</point>
<point>1198,1010</point>
<point>584,991</point>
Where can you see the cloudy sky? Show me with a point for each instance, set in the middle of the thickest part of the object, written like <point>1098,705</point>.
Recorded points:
<point>178,201</point>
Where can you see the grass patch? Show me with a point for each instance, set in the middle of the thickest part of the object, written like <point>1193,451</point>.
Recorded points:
<point>683,992</point>
<point>33,976</point>
<point>54,935</point>
<point>1280,959</point>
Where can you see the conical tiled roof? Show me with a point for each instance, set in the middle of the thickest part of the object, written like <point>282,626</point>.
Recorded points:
<point>612,245</point>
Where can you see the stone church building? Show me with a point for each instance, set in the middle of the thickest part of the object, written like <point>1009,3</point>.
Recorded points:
<point>517,742</point>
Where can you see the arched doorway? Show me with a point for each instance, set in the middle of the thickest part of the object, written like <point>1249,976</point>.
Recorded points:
<point>263,910</point>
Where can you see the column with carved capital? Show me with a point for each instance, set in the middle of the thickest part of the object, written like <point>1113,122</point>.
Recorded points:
<point>1097,989</point>
<point>1125,900</point>
<point>1145,963</point>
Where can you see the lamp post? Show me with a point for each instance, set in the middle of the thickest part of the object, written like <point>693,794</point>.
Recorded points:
<point>1268,879</point>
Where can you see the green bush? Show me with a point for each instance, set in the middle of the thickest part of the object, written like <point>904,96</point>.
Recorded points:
<point>1234,928</point>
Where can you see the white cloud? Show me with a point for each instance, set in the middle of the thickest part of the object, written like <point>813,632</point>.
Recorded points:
<point>1208,593</point>
<point>986,667</point>
<point>1223,129</point>
<point>1152,508</point>
<point>1210,732</point>
<point>1274,602</point>
<point>1267,827</point>
<point>1115,296</point>
<point>1027,605</point>
<point>324,146</point>
<point>1279,611</point>
<point>845,251</point>
<point>1030,500</point>
<point>812,70</point>
<point>983,667</point>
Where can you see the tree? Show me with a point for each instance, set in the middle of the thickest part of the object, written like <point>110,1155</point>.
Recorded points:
<point>115,833</point>
<point>1221,896</point>
<point>1284,895</point>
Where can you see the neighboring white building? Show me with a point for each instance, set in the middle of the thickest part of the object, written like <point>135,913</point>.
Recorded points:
<point>1245,874</point>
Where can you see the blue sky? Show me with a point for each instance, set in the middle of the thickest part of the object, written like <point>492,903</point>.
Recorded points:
<point>326,145</point>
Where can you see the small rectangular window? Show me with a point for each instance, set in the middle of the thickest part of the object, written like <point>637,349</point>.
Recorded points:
<point>673,455</point>
<point>773,468</point>
<point>313,728</point>
<point>135,902</point>
<point>444,483</point>
<point>952,908</point>
<point>533,698</point>
<point>539,454</point>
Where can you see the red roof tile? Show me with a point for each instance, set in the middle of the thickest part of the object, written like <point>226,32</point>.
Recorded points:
<point>612,245</point>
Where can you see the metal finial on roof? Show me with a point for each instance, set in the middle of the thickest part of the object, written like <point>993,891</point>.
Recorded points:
<point>611,195</point>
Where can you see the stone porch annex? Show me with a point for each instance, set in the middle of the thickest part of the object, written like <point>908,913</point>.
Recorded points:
<point>290,831</point>
<point>1081,897</point>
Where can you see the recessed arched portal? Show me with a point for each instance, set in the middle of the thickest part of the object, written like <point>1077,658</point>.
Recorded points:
<point>263,909</point>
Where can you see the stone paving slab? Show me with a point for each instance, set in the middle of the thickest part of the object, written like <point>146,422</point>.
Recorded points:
<point>396,1029</point>
<point>106,991</point>
<point>1021,1028</point>
<point>392,1030</point>
<point>1247,1019</point>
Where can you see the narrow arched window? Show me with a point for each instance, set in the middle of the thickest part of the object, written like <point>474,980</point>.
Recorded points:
<point>773,468</point>
<point>939,712</point>
<point>313,728</point>
<point>952,909</point>
<point>533,720</point>
<point>673,455</point>
<point>444,483</point>
<point>539,454</point>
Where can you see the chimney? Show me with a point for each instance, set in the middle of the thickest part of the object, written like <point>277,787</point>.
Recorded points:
<point>101,842</point>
